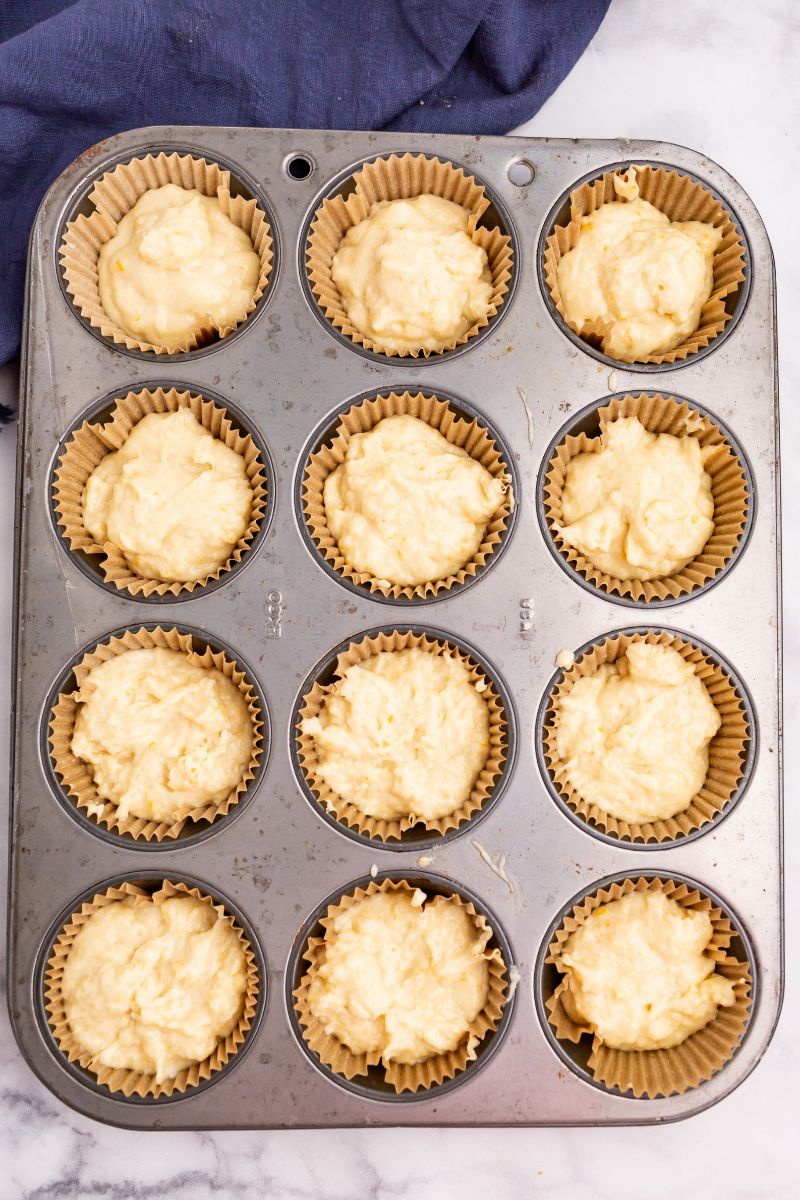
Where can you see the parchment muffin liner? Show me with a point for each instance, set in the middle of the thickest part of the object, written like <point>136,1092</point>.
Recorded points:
<point>114,194</point>
<point>397,177</point>
<point>730,491</point>
<point>91,442</point>
<point>469,435</point>
<point>681,199</point>
<point>653,1073</point>
<point>727,751</point>
<point>75,776</point>
<point>401,1076</point>
<point>382,828</point>
<point>121,1079</point>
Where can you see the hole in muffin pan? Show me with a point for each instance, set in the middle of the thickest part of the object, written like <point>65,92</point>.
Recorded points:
<point>735,304</point>
<point>575,1055</point>
<point>150,882</point>
<point>495,216</point>
<point>241,184</point>
<point>193,832</point>
<point>90,564</point>
<point>418,838</point>
<point>587,421</point>
<point>544,719</point>
<point>373,1085</point>
<point>324,433</point>
<point>521,172</point>
<point>299,166</point>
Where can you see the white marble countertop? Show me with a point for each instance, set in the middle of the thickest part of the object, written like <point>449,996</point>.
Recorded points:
<point>723,79</point>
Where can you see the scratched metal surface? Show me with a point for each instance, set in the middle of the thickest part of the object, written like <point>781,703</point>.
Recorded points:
<point>277,860</point>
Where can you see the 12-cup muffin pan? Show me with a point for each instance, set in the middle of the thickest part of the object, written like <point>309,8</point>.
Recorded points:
<point>278,857</point>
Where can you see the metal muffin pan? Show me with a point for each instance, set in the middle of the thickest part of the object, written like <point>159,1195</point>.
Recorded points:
<point>288,373</point>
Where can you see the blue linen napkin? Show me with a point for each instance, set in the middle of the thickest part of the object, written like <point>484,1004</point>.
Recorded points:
<point>72,73</point>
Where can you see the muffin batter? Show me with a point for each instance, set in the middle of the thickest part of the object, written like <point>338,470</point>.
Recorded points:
<point>633,737</point>
<point>402,975</point>
<point>407,506</point>
<point>640,507</point>
<point>177,267</point>
<point>639,973</point>
<point>403,733</point>
<point>636,277</point>
<point>162,735</point>
<point>154,987</point>
<point>174,499</point>
<point>410,276</point>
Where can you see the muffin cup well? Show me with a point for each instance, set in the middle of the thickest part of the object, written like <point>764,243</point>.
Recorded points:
<point>730,752</point>
<point>91,442</point>
<point>652,1073</point>
<point>393,178</point>
<point>469,435</point>
<point>386,829</point>
<point>681,198</point>
<point>731,490</point>
<point>75,777</point>
<point>114,194</point>
<point>121,1079</point>
<point>401,1076</point>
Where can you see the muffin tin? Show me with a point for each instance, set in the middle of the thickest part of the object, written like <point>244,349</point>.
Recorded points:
<point>287,372</point>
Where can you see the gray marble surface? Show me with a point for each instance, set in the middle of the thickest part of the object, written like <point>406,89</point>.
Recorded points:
<point>722,79</point>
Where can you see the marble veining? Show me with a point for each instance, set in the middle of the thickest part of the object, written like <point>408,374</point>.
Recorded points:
<point>722,79</point>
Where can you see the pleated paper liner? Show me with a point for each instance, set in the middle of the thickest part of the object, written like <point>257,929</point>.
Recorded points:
<point>681,199</point>
<point>75,776</point>
<point>727,751</point>
<point>114,194</point>
<point>121,1079</point>
<point>469,435</point>
<point>385,829</point>
<point>401,1076</point>
<point>653,1073</point>
<point>94,440</point>
<point>730,491</point>
<point>395,178</point>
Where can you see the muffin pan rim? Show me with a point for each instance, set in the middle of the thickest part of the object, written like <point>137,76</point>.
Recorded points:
<point>588,412</point>
<point>540,966</point>
<point>748,766</point>
<point>65,676</point>
<point>741,298</point>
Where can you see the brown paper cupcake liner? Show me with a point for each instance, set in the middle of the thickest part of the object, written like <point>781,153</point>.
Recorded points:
<point>75,776</point>
<point>682,199</point>
<point>395,178</point>
<point>115,194</point>
<point>121,1079</point>
<point>94,440</point>
<point>401,1076</point>
<point>384,828</point>
<point>729,489</point>
<point>727,751</point>
<point>652,1073</point>
<point>468,435</point>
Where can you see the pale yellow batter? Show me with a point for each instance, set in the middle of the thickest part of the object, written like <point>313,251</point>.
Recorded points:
<point>639,973</point>
<point>636,276</point>
<point>177,267</point>
<point>174,499</point>
<point>403,733</point>
<point>402,975</point>
<point>154,987</point>
<point>410,276</point>
<point>162,736</point>
<point>641,506</point>
<point>406,505</point>
<point>633,737</point>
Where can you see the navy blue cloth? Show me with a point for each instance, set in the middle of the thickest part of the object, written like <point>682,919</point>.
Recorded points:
<point>74,73</point>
